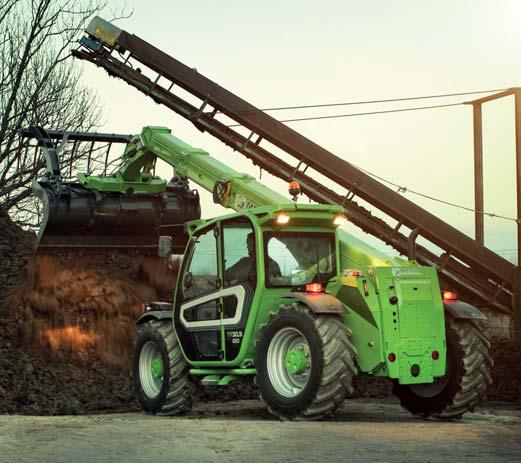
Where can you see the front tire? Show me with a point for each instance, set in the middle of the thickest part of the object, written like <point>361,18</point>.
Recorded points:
<point>464,385</point>
<point>159,370</point>
<point>305,363</point>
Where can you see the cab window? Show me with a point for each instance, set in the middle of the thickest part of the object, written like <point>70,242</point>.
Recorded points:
<point>298,258</point>
<point>240,265</point>
<point>201,275</point>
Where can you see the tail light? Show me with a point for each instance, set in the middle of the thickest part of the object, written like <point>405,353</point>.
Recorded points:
<point>314,288</point>
<point>449,295</point>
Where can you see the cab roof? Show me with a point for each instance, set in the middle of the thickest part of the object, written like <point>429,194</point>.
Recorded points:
<point>300,215</point>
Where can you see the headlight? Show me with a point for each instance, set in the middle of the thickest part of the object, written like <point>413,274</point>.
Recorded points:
<point>282,219</point>
<point>339,220</point>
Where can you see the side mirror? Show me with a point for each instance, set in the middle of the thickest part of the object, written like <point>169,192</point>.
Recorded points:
<point>164,246</point>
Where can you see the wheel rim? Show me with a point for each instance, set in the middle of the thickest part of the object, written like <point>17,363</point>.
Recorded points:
<point>151,369</point>
<point>428,390</point>
<point>289,362</point>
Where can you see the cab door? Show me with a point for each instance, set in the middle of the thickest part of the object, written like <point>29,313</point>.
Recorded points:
<point>239,279</point>
<point>197,314</point>
<point>215,291</point>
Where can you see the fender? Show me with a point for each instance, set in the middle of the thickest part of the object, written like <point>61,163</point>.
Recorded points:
<point>460,309</point>
<point>156,311</point>
<point>154,315</point>
<point>318,303</point>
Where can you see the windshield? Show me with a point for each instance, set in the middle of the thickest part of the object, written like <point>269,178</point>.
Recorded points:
<point>298,258</point>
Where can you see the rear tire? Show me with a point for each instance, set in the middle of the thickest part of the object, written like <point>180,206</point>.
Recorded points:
<point>159,370</point>
<point>320,382</point>
<point>465,384</point>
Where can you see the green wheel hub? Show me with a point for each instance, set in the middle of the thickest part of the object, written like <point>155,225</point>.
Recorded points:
<point>288,361</point>
<point>296,361</point>
<point>157,368</point>
<point>151,369</point>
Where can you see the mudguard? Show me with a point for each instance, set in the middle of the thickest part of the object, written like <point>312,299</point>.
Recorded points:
<point>318,303</point>
<point>460,309</point>
<point>156,311</point>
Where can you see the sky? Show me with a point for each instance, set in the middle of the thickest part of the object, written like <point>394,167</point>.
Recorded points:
<point>284,53</point>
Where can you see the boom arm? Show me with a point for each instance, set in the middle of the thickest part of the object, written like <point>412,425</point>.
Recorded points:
<point>230,189</point>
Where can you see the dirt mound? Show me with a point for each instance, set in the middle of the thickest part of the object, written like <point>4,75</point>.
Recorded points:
<point>506,373</point>
<point>16,248</point>
<point>71,326</point>
<point>68,324</point>
<point>79,304</point>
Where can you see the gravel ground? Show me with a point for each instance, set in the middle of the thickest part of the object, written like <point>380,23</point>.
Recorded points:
<point>363,431</point>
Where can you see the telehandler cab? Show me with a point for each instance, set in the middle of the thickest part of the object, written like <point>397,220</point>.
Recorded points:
<point>251,300</point>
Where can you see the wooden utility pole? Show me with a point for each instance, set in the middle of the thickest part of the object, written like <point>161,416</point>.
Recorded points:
<point>478,175</point>
<point>517,271</point>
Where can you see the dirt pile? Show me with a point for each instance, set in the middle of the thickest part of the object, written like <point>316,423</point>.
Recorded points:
<point>73,305</point>
<point>16,247</point>
<point>506,374</point>
<point>68,325</point>
<point>70,329</point>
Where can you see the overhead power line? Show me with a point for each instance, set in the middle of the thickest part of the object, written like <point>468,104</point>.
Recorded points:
<point>369,113</point>
<point>335,116</point>
<point>402,189</point>
<point>387,100</point>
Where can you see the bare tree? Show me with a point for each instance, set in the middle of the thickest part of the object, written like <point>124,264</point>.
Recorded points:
<point>40,85</point>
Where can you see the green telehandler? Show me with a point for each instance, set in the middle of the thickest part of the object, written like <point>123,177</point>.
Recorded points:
<point>276,291</point>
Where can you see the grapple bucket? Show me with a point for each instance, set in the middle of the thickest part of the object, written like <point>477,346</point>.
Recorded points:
<point>76,217</point>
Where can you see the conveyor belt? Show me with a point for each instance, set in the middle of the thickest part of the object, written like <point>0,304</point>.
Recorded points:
<point>464,263</point>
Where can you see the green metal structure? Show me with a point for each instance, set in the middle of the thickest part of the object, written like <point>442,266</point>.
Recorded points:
<point>278,292</point>
<point>393,316</point>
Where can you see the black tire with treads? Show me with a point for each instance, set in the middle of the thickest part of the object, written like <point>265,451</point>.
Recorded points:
<point>332,363</point>
<point>174,396</point>
<point>469,374</point>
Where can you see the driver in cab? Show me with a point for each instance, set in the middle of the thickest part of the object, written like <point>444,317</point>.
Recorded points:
<point>245,269</point>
